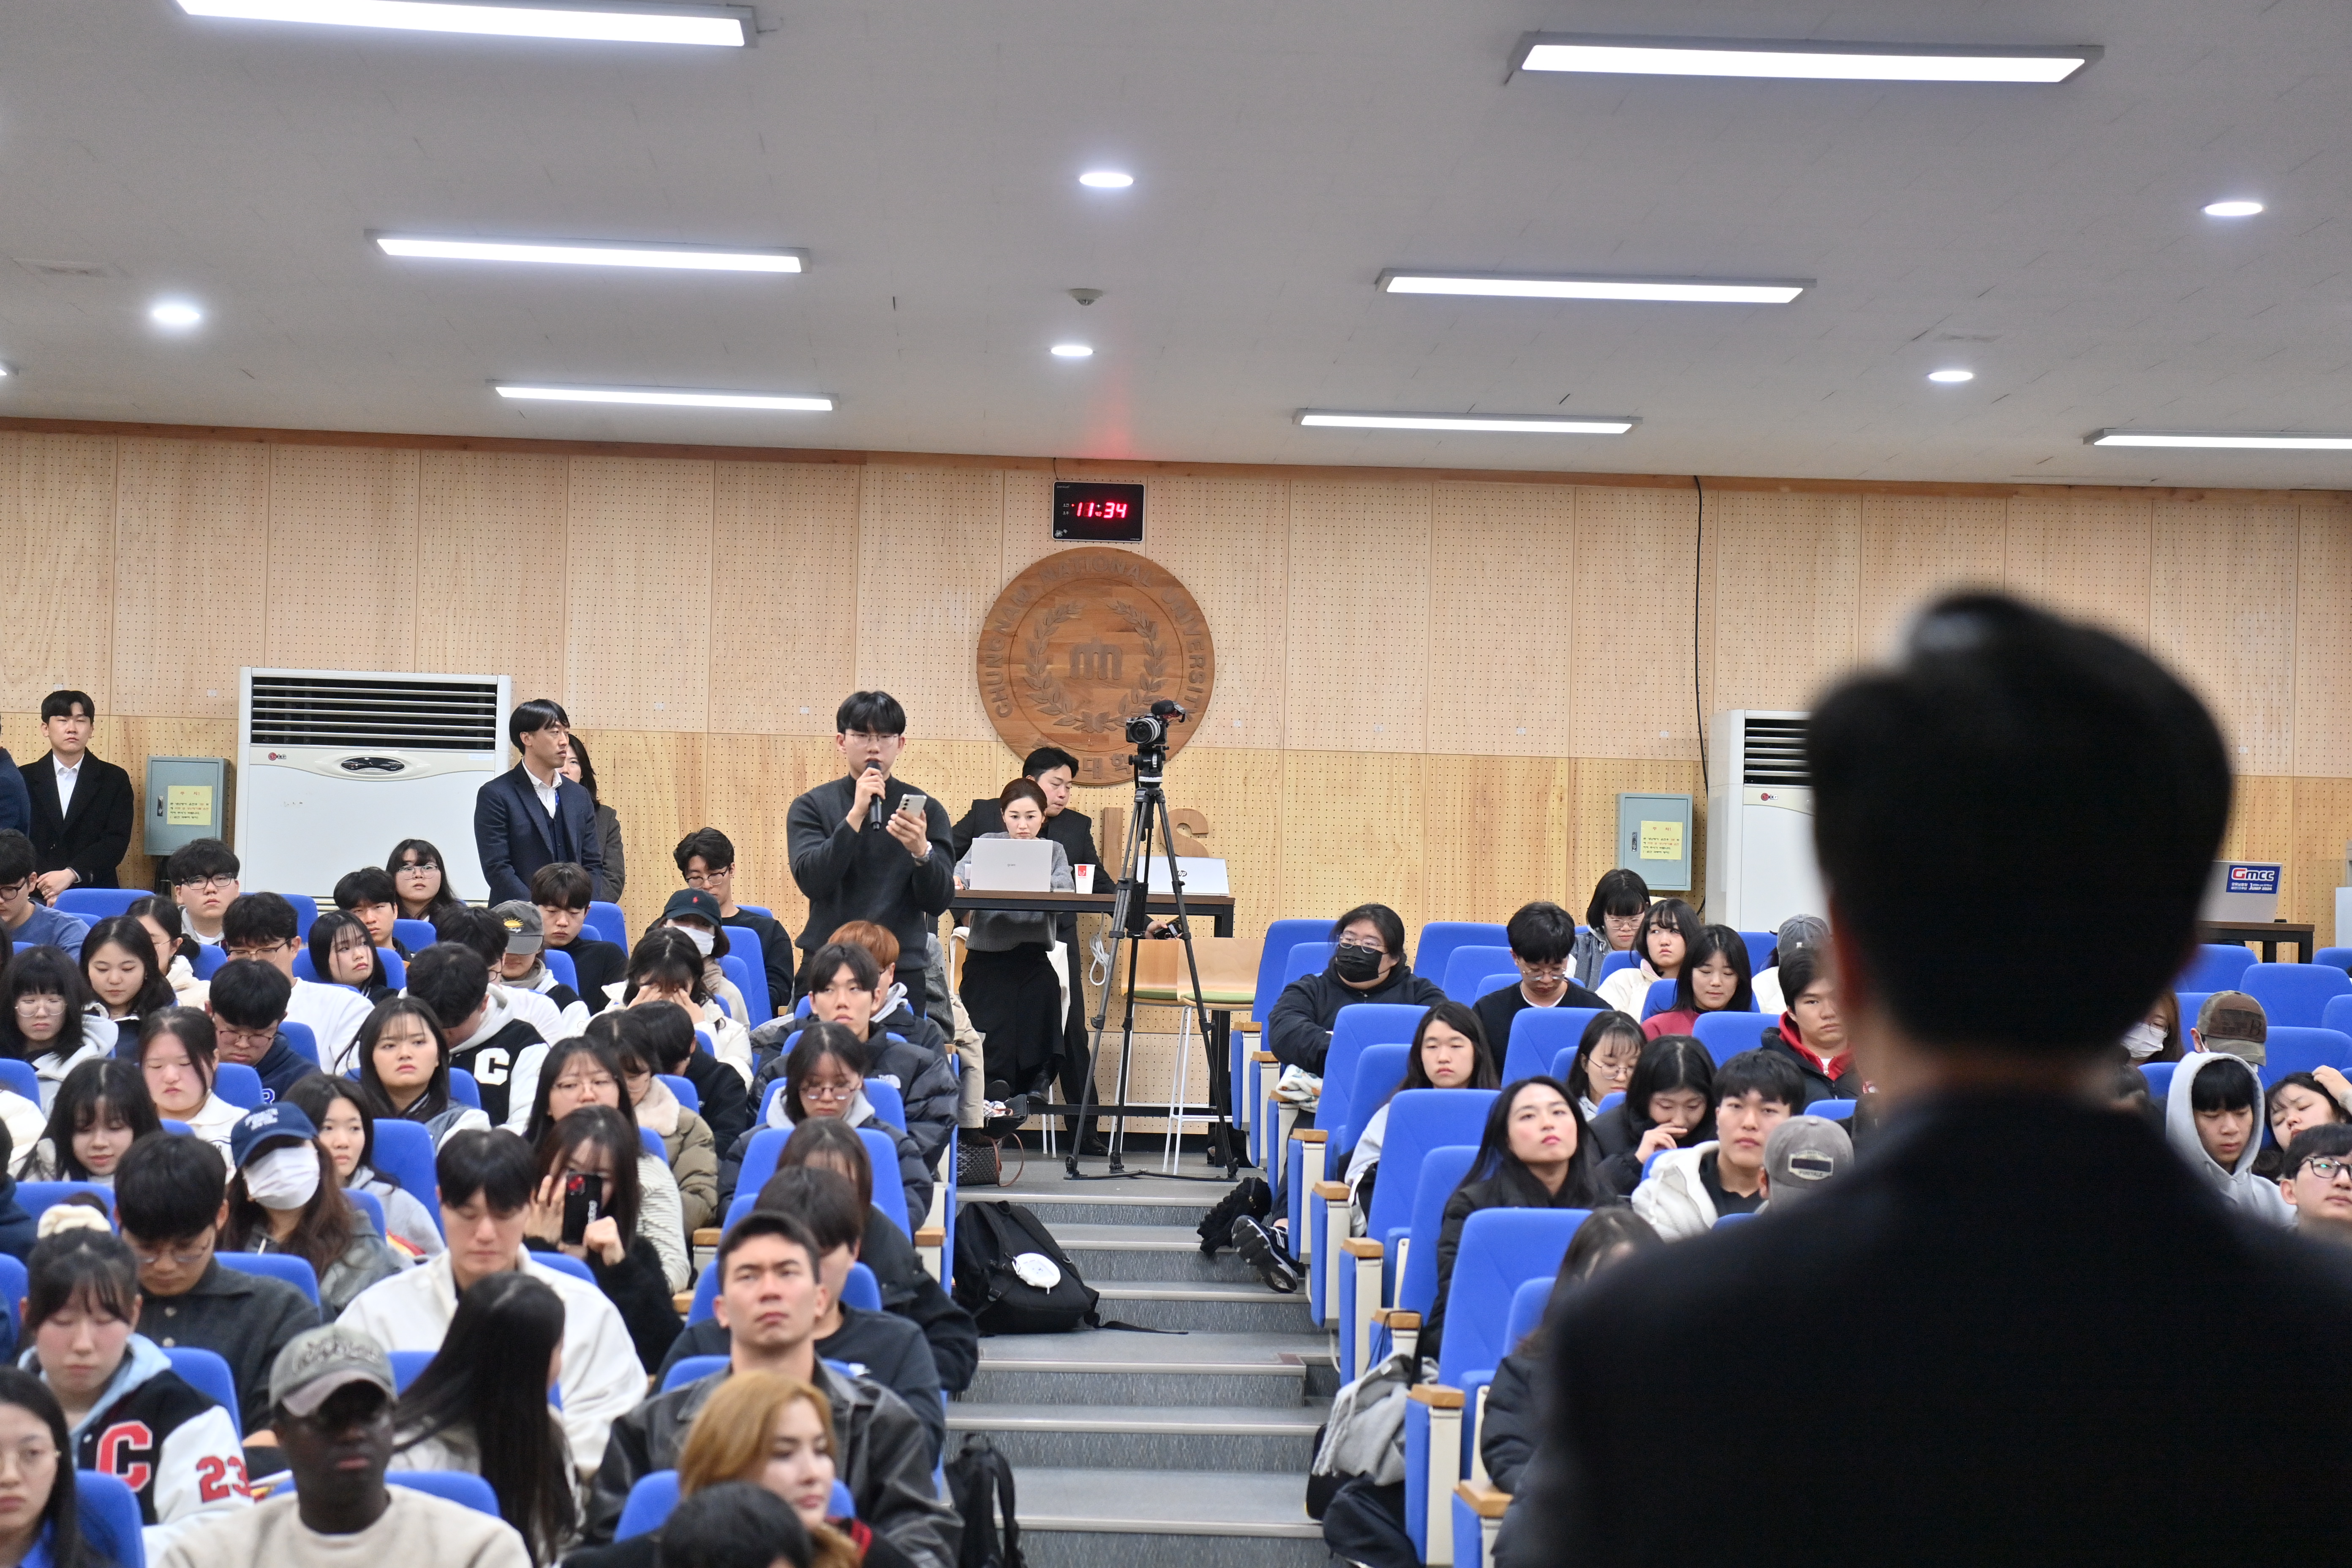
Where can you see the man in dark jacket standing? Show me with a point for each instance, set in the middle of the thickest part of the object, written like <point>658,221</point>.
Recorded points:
<point>2007,1273</point>
<point>82,808</point>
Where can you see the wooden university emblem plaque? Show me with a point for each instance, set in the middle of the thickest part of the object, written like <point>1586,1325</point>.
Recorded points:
<point>1084,640</point>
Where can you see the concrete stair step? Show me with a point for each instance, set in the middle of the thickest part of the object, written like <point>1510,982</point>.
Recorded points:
<point>1096,1367</point>
<point>1134,1252</point>
<point>1194,1305</point>
<point>1106,1203</point>
<point>1148,1437</point>
<point>1166,1519</point>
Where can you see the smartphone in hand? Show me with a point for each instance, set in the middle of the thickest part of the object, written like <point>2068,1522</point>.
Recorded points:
<point>584,1204</point>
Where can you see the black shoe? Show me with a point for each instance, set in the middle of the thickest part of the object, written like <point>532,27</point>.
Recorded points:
<point>1257,1250</point>
<point>1250,1196</point>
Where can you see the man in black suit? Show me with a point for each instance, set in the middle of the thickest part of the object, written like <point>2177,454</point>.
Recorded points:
<point>532,815</point>
<point>82,807</point>
<point>2004,1336</point>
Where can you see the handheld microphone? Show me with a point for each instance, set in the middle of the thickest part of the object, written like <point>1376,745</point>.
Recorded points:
<point>874,813</point>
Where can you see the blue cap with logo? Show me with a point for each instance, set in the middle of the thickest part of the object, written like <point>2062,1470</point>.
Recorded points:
<point>267,1124</point>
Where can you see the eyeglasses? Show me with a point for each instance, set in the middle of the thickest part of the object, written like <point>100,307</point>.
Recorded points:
<point>705,878</point>
<point>828,1091</point>
<point>185,1256</point>
<point>30,1455</point>
<point>407,866</point>
<point>584,1085</point>
<point>260,948</point>
<point>1544,971</point>
<point>1371,946</point>
<point>15,890</point>
<point>2326,1168</point>
<point>208,884</point>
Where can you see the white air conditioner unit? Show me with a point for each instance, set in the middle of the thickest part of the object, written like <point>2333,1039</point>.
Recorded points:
<point>337,766</point>
<point>1759,822</point>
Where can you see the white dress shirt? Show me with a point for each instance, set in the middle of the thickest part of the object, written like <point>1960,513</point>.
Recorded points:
<point>66,778</point>
<point>546,788</point>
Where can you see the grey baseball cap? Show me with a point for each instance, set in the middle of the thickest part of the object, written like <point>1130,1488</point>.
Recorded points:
<point>317,1362</point>
<point>524,931</point>
<point>1803,1152</point>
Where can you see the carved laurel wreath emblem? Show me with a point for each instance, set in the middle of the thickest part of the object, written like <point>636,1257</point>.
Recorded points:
<point>1052,699</point>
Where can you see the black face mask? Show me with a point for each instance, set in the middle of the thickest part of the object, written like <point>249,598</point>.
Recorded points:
<point>1357,963</point>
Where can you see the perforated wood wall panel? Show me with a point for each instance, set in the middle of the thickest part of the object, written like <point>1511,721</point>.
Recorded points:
<point>2087,555</point>
<point>2222,615</point>
<point>1029,520</point>
<point>638,566</point>
<point>1240,796</point>
<point>490,569</point>
<point>1913,550</point>
<point>343,555</point>
<point>2323,649</point>
<point>1359,619</point>
<point>750,784</point>
<point>1628,686</point>
<point>57,512</point>
<point>1498,833</point>
<point>783,632</point>
<point>1354,831</point>
<point>1227,540</point>
<point>930,547</point>
<point>1592,797</point>
<point>656,784</point>
<point>1785,578</point>
<point>1501,584</point>
<point>129,742</point>
<point>191,538</point>
<point>2322,825</point>
<point>2262,826</point>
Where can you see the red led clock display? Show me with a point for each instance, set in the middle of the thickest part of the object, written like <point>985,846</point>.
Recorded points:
<point>1108,513</point>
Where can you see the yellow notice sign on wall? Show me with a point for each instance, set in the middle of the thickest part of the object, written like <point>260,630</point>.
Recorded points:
<point>191,805</point>
<point>1662,841</point>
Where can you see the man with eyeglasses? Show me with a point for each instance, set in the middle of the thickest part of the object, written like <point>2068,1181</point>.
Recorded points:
<point>247,1003</point>
<point>20,917</point>
<point>533,816</point>
<point>263,927</point>
<point>1542,937</point>
<point>204,873</point>
<point>706,858</point>
<point>2319,1181</point>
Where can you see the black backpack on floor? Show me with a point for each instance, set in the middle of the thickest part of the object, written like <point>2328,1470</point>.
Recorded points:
<point>1013,1277</point>
<point>980,1483</point>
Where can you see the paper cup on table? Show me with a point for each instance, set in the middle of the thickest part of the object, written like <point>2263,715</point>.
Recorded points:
<point>1085,877</point>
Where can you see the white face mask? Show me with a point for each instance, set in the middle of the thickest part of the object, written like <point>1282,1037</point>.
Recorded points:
<point>284,1178</point>
<point>2143,1041</point>
<point>704,941</point>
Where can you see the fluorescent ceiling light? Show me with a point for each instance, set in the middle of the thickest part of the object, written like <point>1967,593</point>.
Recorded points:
<point>1596,425</point>
<point>1106,179</point>
<point>666,397</point>
<point>725,26</point>
<point>1687,291</point>
<point>593,253</point>
<point>2253,441</point>
<point>2232,209</point>
<point>1805,60</point>
<point>1072,350</point>
<point>174,314</point>
<point>1951,377</point>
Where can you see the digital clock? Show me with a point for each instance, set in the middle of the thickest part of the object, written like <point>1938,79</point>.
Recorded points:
<point>1109,513</point>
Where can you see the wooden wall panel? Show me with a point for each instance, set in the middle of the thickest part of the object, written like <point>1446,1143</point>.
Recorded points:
<point>2223,614</point>
<point>490,569</point>
<point>2261,828</point>
<point>1915,548</point>
<point>656,784</point>
<point>1628,685</point>
<point>638,567</point>
<point>2087,555</point>
<point>57,510</point>
<point>1592,819</point>
<point>1227,540</point>
<point>750,783</point>
<point>127,742</point>
<point>1029,520</point>
<point>1353,832</point>
<point>1498,832</point>
<point>783,631</point>
<point>191,524</point>
<point>2323,828</point>
<point>2323,650</point>
<point>1357,660</point>
<point>1501,588</point>
<point>342,558</point>
<point>1785,577</point>
<point>931,549</point>
<point>1238,792</point>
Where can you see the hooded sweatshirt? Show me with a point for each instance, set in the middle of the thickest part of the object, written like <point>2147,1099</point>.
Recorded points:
<point>489,1052</point>
<point>173,1446</point>
<point>1674,1198</point>
<point>2259,1198</point>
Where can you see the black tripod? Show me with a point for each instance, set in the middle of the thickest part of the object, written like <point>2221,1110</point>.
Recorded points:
<point>1130,919</point>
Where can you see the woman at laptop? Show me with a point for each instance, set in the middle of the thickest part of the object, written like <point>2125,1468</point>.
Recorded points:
<point>1009,988</point>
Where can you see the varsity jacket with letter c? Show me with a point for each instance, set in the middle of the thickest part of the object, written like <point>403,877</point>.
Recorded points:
<point>173,1445</point>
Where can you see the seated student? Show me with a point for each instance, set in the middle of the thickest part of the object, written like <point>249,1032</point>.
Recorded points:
<point>1543,938</point>
<point>770,1295</point>
<point>824,1075</point>
<point>1606,1054</point>
<point>344,953</point>
<point>880,1345</point>
<point>522,969</point>
<point>170,1195</point>
<point>247,1002</point>
<point>893,1011</point>
<point>40,1524</point>
<point>48,1019</point>
<point>2212,1119</point>
<point>1009,988</point>
<point>597,1145</point>
<point>203,876</point>
<point>1800,1155</point>
<point>1714,979</point>
<point>119,967</point>
<point>1796,931</point>
<point>419,881</point>
<point>665,967</point>
<point>480,1406</point>
<point>404,1068</point>
<point>160,918</point>
<point>347,1132</point>
<point>17,1230</point>
<point>695,913</point>
<point>727,1108</point>
<point>102,1110</point>
<point>1449,1051</point>
<point>759,1460</point>
<point>476,1020</point>
<point>2317,1183</point>
<point>1669,1104</point>
<point>590,1072</point>
<point>1690,1188</point>
<point>486,1181</point>
<point>1660,943</point>
<point>692,1150</point>
<point>2155,1038</point>
<point>368,893</point>
<point>1611,920</point>
<point>705,860</point>
<point>284,1198</point>
<point>561,893</point>
<point>129,1414</point>
<point>21,919</point>
<point>331,1403</point>
<point>2234,1024</point>
<point>1366,965</point>
<point>262,926</point>
<point>488,933</point>
<point>847,987</point>
<point>1810,1033</point>
<point>1533,1154</point>
<point>2296,1103</point>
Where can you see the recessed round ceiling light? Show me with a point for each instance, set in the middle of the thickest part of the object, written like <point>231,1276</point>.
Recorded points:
<point>1072,350</point>
<point>1951,375</point>
<point>2232,209</point>
<point>174,314</point>
<point>1106,179</point>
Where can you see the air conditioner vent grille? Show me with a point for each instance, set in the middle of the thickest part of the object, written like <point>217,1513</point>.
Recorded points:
<point>1772,752</point>
<point>375,714</point>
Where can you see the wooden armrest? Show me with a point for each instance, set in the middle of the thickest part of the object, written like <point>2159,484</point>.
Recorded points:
<point>931,1236</point>
<point>1309,1135</point>
<point>1247,1027</point>
<point>1396,1318</point>
<point>1436,1396</point>
<point>1361,1247</point>
<point>1264,1058</point>
<point>1331,1192</point>
<point>709,1235</point>
<point>683,1302</point>
<point>1486,1502</point>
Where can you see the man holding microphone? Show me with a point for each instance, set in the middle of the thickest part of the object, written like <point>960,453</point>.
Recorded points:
<point>865,848</point>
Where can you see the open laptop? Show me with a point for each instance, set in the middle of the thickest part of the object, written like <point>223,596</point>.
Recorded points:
<point>1012,865</point>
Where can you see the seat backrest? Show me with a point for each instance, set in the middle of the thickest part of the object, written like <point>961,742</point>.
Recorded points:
<point>691,1369</point>
<point>395,968</point>
<point>303,968</point>
<point>1658,998</point>
<point>1490,983</point>
<point>1377,1072</point>
<point>14,1283</point>
<point>461,1487</point>
<point>109,1512</point>
<point>751,977</point>
<point>19,1076</point>
<point>2295,993</point>
<point>605,919</point>
<point>1613,963</point>
<point>682,1089</point>
<point>651,1499</point>
<point>209,1375</point>
<point>1834,1109</point>
<point>888,1104</point>
<point>564,1263</point>
<point>1528,1304</point>
<point>2336,1015</point>
<point>766,914</point>
<point>1466,971</point>
<point>2191,1004</point>
<point>1537,1036</point>
<point>1761,946</point>
<point>408,1365</point>
<point>2160,1079</point>
<point>1307,958</point>
<point>861,1290</point>
<point>653,1143</point>
<point>295,1271</point>
<point>1442,1170</point>
<point>2293,1049</point>
<point>208,960</point>
<point>882,1153</point>
<point>92,905</point>
<point>1725,1035</point>
<point>1501,1249</point>
<point>1420,1119</point>
<point>760,1158</point>
<point>1607,1102</point>
<point>562,966</point>
<point>464,1089</point>
<point>301,1039</point>
<point>413,935</point>
<point>1355,1026</point>
<point>2215,966</point>
<point>238,1084</point>
<point>1274,952</point>
<point>306,914</point>
<point>2334,957</point>
<point>369,1205</point>
<point>36,1198</point>
<point>404,1155</point>
<point>1439,939</point>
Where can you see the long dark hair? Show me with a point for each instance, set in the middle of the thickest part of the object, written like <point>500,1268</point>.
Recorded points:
<point>617,1136</point>
<point>319,1235</point>
<point>1670,914</point>
<point>43,972</point>
<point>1593,1248</point>
<point>587,768</point>
<point>667,955</point>
<point>1604,1027</point>
<point>1670,1062</point>
<point>60,1518</point>
<point>316,1093</point>
<point>559,1056</point>
<point>815,1043</point>
<point>193,1027</point>
<point>1461,1021</point>
<point>443,898</point>
<point>88,1092</point>
<point>1584,1186</point>
<point>322,950</point>
<point>165,913</point>
<point>832,1144</point>
<point>1724,942</point>
<point>489,1377</point>
<point>436,1098</point>
<point>1620,893</point>
<point>125,932</point>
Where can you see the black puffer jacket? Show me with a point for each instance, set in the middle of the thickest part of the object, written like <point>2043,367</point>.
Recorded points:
<point>1299,1030</point>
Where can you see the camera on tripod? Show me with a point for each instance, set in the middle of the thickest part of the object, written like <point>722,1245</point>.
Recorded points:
<point>1148,731</point>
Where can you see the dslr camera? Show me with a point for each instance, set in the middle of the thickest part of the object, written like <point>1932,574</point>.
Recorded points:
<point>1148,731</point>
